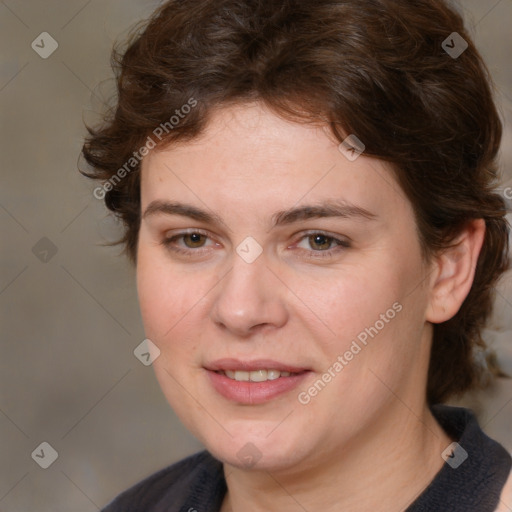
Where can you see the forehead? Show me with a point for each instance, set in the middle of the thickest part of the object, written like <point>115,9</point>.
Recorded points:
<point>250,158</point>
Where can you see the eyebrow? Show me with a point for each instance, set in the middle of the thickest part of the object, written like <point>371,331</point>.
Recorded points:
<point>324,209</point>
<point>338,208</point>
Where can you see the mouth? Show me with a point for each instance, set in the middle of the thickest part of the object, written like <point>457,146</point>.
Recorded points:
<point>257,375</point>
<point>254,382</point>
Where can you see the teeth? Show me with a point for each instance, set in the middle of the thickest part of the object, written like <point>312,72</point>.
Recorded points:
<point>258,376</point>
<point>255,376</point>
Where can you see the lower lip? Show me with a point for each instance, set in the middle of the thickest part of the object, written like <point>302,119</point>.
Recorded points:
<point>253,393</point>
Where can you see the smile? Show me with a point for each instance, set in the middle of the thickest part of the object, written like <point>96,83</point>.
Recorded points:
<point>254,376</point>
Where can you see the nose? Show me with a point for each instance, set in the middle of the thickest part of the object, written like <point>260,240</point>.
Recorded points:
<point>249,299</point>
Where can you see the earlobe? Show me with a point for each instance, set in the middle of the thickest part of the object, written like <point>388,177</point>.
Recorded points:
<point>454,271</point>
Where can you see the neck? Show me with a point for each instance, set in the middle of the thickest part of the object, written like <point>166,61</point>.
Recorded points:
<point>384,468</point>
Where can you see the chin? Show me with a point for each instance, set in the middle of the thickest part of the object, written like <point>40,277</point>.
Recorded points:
<point>259,453</point>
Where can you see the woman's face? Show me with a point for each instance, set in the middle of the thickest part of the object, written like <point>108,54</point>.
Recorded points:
<point>263,249</point>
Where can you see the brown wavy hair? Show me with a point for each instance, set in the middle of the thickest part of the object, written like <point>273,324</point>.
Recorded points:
<point>374,68</point>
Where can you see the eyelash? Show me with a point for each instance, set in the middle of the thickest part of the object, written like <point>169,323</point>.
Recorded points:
<point>169,242</point>
<point>340,244</point>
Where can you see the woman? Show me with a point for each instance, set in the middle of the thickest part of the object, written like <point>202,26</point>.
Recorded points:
<point>307,191</point>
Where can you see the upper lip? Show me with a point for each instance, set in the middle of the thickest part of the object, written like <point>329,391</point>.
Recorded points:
<point>256,364</point>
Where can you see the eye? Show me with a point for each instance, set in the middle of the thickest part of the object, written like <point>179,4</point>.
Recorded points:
<point>321,245</point>
<point>194,240</point>
<point>315,244</point>
<point>189,242</point>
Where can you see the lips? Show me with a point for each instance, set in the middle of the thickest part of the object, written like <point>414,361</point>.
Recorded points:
<point>250,366</point>
<point>254,382</point>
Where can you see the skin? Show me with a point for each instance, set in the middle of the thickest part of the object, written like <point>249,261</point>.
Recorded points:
<point>367,441</point>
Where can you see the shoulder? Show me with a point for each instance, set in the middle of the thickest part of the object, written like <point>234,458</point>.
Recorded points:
<point>482,478</point>
<point>172,485</point>
<point>506,496</point>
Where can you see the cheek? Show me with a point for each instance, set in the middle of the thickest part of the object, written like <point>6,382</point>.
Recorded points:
<point>368,313</point>
<point>169,303</point>
<point>345,302</point>
<point>166,297</point>
<point>173,302</point>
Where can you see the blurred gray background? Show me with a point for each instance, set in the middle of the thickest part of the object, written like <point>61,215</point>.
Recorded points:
<point>68,306</point>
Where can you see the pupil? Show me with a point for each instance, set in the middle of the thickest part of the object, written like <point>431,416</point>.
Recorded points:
<point>194,239</point>
<point>321,240</point>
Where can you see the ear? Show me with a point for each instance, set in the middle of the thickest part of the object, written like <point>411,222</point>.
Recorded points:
<point>454,271</point>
